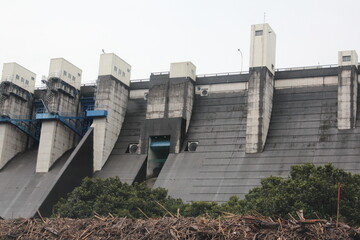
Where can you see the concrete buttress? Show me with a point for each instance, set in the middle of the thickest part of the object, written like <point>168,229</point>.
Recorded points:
<point>56,138</point>
<point>260,98</point>
<point>169,105</point>
<point>112,96</point>
<point>15,103</point>
<point>347,89</point>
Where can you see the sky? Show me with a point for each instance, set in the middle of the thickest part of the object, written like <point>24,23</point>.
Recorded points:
<point>151,34</point>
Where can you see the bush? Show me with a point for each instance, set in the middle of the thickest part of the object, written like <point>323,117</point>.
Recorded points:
<point>110,195</point>
<point>308,187</point>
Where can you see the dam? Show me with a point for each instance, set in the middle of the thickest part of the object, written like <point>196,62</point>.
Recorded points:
<point>202,137</point>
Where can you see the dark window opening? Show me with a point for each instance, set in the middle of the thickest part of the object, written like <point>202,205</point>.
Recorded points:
<point>346,58</point>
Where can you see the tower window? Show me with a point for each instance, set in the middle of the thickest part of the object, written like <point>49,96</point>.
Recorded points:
<point>17,77</point>
<point>258,32</point>
<point>65,73</point>
<point>346,58</point>
<point>115,68</point>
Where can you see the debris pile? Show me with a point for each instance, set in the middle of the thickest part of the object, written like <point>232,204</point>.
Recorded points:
<point>231,227</point>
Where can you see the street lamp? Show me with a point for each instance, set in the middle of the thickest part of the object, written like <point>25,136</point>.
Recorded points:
<point>241,59</point>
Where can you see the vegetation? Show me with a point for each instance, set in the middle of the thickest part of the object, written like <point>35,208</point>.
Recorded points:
<point>308,187</point>
<point>110,195</point>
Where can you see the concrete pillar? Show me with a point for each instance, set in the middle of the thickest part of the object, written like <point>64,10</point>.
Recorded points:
<point>55,140</point>
<point>260,96</point>
<point>62,99</point>
<point>16,88</point>
<point>347,89</point>
<point>260,87</point>
<point>111,95</point>
<point>169,105</point>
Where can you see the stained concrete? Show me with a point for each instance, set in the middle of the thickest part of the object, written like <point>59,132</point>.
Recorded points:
<point>55,138</point>
<point>303,129</point>
<point>15,103</point>
<point>260,96</point>
<point>24,191</point>
<point>169,110</point>
<point>111,95</point>
<point>121,163</point>
<point>347,97</point>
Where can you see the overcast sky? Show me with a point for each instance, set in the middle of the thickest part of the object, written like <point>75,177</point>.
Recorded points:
<point>150,34</point>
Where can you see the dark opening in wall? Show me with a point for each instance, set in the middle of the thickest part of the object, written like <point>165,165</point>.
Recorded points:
<point>159,147</point>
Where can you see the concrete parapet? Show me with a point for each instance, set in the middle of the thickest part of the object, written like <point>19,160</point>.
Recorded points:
<point>260,96</point>
<point>347,97</point>
<point>112,96</point>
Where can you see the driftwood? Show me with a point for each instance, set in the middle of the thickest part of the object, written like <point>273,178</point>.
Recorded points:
<point>230,227</point>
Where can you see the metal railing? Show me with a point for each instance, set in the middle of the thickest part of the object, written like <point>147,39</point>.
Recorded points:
<point>222,74</point>
<point>94,82</point>
<point>89,83</point>
<point>307,67</point>
<point>54,75</point>
<point>8,78</point>
<point>160,73</point>
<point>140,80</point>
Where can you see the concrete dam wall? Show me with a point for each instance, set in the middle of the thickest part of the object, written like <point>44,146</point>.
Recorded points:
<point>203,138</point>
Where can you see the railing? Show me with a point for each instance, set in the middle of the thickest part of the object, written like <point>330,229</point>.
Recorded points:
<point>8,78</point>
<point>93,83</point>
<point>140,80</point>
<point>222,74</point>
<point>89,83</point>
<point>307,67</point>
<point>40,88</point>
<point>55,75</point>
<point>160,73</point>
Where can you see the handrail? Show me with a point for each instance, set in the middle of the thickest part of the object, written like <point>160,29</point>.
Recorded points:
<point>90,83</point>
<point>140,80</point>
<point>40,88</point>
<point>307,67</point>
<point>160,73</point>
<point>222,74</point>
<point>55,75</point>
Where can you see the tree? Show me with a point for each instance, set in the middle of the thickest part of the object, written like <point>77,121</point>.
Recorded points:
<point>311,188</point>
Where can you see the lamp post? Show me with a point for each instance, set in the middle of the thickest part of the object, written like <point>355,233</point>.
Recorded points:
<point>241,59</point>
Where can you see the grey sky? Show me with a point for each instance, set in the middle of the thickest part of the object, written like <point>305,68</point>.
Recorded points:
<point>150,34</point>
